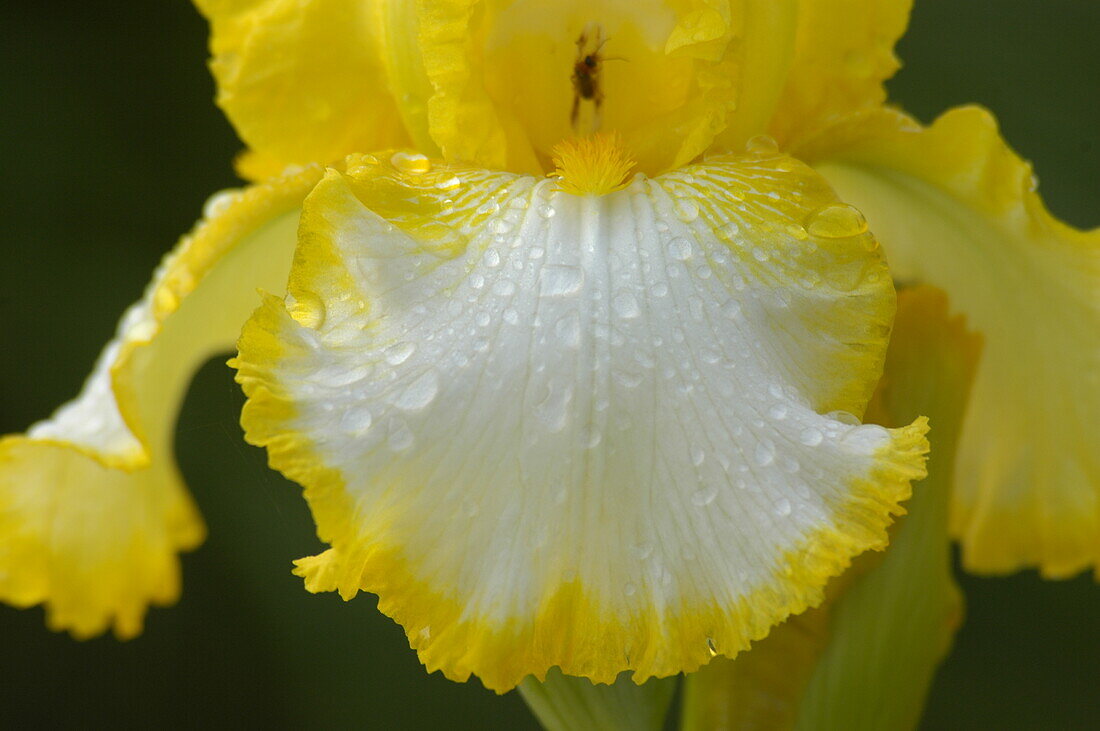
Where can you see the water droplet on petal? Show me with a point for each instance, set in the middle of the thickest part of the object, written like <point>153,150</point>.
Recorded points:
<point>307,309</point>
<point>356,420</point>
<point>764,454</point>
<point>399,353</point>
<point>687,210</point>
<point>762,145</point>
<point>546,210</point>
<point>836,221</point>
<point>420,393</point>
<point>411,163</point>
<point>844,418</point>
<point>783,507</point>
<point>778,412</point>
<point>626,305</point>
<point>219,203</point>
<point>449,184</point>
<point>705,496</point>
<point>504,287</point>
<point>679,249</point>
<point>629,589</point>
<point>560,281</point>
<point>400,438</point>
<point>811,437</point>
<point>698,456</point>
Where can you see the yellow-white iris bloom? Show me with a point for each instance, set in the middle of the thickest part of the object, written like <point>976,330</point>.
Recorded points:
<point>607,420</point>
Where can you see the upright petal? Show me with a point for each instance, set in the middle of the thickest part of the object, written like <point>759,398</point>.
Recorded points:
<point>303,81</point>
<point>955,207</point>
<point>844,52</point>
<point>865,658</point>
<point>665,74</point>
<point>596,432</point>
<point>92,509</point>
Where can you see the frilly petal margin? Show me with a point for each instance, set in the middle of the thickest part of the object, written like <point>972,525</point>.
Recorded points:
<point>303,81</point>
<point>865,658</point>
<point>92,508</point>
<point>955,207</point>
<point>580,431</point>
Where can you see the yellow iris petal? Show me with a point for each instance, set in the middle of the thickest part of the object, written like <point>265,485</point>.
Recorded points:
<point>589,431</point>
<point>956,208</point>
<point>865,658</point>
<point>92,508</point>
<point>843,53</point>
<point>507,89</point>
<point>303,82</point>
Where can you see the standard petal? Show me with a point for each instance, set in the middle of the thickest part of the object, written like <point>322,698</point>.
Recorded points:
<point>667,76</point>
<point>865,658</point>
<point>956,208</point>
<point>585,431</point>
<point>92,509</point>
<point>303,81</point>
<point>844,51</point>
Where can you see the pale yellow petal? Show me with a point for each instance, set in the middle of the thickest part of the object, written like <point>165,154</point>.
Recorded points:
<point>303,81</point>
<point>92,509</point>
<point>956,208</point>
<point>594,432</point>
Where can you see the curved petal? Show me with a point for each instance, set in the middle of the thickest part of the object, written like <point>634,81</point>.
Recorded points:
<point>303,81</point>
<point>865,658</point>
<point>667,76</point>
<point>843,53</point>
<point>92,509</point>
<point>955,207</point>
<point>585,431</point>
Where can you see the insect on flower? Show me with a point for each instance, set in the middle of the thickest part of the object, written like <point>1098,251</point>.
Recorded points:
<point>586,75</point>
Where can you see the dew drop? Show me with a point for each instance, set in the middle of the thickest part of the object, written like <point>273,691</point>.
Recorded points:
<point>811,437</point>
<point>778,412</point>
<point>783,507</point>
<point>759,254</point>
<point>420,393</point>
<point>732,309</point>
<point>492,258</point>
<point>679,249</point>
<point>411,163</point>
<point>836,221</point>
<point>560,281</point>
<point>660,289</point>
<point>642,551</point>
<point>307,309</point>
<point>568,330</point>
<point>400,438</point>
<point>764,454</point>
<point>705,496</point>
<point>629,589</point>
<point>482,319</point>
<point>797,231</point>
<point>627,379</point>
<point>399,353</point>
<point>698,456</point>
<point>546,210</point>
<point>626,305</point>
<point>687,210</point>
<point>356,420</point>
<point>500,226</point>
<point>510,315</point>
<point>844,418</point>
<point>536,253</point>
<point>762,145</point>
<point>504,287</point>
<point>449,184</point>
<point>219,203</point>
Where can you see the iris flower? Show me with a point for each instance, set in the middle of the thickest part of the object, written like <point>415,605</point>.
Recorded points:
<point>572,314</point>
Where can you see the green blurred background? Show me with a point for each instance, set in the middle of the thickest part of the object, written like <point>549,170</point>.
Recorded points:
<point>110,144</point>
